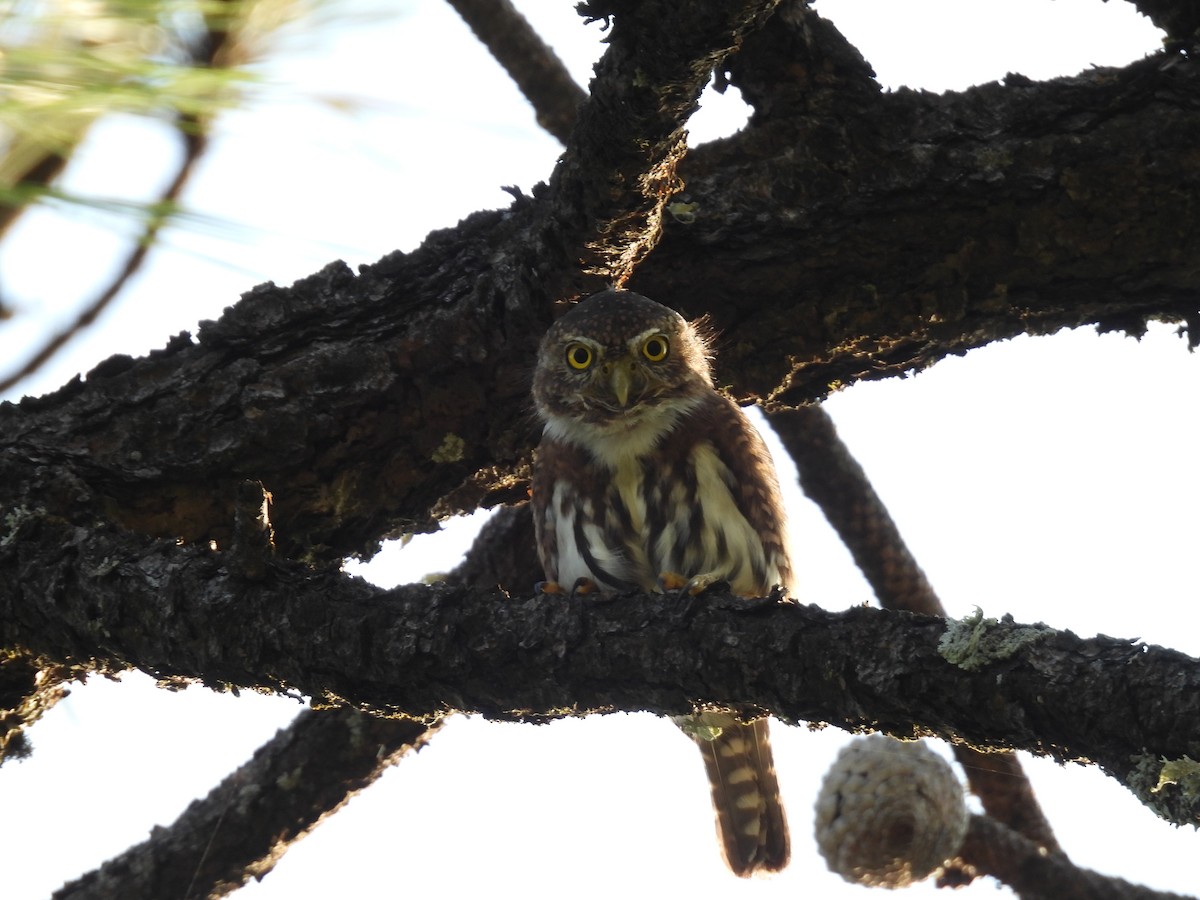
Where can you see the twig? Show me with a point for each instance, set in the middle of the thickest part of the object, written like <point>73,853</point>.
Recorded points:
<point>194,146</point>
<point>215,48</point>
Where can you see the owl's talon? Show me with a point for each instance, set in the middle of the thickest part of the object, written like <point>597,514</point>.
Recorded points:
<point>674,583</point>
<point>584,585</point>
<point>671,582</point>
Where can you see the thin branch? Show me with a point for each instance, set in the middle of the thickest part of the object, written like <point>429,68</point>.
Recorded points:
<point>833,479</point>
<point>992,849</point>
<point>528,60</point>
<point>38,175</point>
<point>243,827</point>
<point>194,144</point>
<point>217,47</point>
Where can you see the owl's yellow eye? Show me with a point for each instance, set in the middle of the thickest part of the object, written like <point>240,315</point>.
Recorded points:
<point>579,356</point>
<point>655,348</point>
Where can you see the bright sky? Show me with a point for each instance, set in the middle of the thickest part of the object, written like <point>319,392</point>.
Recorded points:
<point>1049,478</point>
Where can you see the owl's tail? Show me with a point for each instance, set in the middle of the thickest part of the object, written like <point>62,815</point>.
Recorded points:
<point>751,824</point>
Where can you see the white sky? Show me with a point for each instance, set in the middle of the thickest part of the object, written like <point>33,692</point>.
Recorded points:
<point>1050,478</point>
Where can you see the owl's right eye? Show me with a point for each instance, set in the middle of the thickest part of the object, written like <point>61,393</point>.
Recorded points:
<point>579,356</point>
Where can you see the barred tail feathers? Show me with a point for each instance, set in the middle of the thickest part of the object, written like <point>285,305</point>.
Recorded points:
<point>751,824</point>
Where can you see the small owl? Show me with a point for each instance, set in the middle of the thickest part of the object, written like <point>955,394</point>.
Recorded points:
<point>647,476</point>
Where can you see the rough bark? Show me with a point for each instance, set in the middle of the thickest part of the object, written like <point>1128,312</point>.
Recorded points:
<point>530,62</point>
<point>370,404</point>
<point>833,479</point>
<point>991,849</point>
<point>241,829</point>
<point>851,234</point>
<point>116,600</point>
<point>305,773</point>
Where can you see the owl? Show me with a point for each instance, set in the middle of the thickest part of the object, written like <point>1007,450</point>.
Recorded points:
<point>647,478</point>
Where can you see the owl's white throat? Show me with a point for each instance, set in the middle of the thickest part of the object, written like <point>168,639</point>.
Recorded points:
<point>625,438</point>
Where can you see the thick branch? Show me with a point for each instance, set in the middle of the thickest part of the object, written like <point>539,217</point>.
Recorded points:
<point>115,600</point>
<point>360,402</point>
<point>1180,19</point>
<point>370,405</point>
<point>894,229</point>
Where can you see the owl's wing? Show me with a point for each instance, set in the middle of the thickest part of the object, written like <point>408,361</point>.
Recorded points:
<point>752,479</point>
<point>553,462</point>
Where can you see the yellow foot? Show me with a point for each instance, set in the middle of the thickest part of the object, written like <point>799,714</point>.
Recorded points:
<point>581,586</point>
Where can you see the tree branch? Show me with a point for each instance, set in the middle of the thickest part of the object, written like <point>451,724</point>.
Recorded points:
<point>992,849</point>
<point>244,826</point>
<point>370,404</point>
<point>832,478</point>
<point>811,239</point>
<point>1181,21</point>
<point>194,143</point>
<point>114,600</point>
<point>609,189</point>
<point>28,688</point>
<point>528,60</point>
<point>304,774</point>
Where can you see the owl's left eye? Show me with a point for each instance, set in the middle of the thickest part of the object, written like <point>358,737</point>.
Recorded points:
<point>655,348</point>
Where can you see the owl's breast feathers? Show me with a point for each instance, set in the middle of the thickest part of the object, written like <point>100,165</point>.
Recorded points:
<point>690,490</point>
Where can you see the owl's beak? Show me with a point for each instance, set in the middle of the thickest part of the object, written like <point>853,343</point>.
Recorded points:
<point>622,379</point>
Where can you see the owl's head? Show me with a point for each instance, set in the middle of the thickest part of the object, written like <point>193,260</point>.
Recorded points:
<point>616,358</point>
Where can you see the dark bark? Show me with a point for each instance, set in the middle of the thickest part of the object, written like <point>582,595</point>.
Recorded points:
<point>845,234</point>
<point>334,753</point>
<point>992,849</point>
<point>833,479</point>
<point>369,404</point>
<point>869,234</point>
<point>28,688</point>
<point>1180,19</point>
<point>529,61</point>
<point>242,828</point>
<point>407,384</point>
<point>116,600</point>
